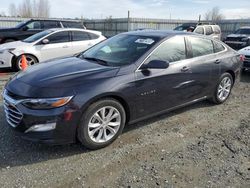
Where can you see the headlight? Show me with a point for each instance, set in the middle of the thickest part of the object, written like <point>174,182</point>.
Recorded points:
<point>6,49</point>
<point>46,103</point>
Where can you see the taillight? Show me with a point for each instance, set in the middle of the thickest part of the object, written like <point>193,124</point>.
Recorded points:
<point>242,58</point>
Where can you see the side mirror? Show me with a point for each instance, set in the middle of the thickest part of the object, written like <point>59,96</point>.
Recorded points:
<point>25,28</point>
<point>45,41</point>
<point>155,64</point>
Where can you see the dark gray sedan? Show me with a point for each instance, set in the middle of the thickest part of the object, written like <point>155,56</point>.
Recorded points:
<point>122,80</point>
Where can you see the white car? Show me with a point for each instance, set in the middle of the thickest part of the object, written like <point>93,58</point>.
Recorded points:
<point>48,44</point>
<point>246,52</point>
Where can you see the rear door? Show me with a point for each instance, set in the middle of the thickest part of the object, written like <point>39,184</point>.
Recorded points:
<point>203,65</point>
<point>81,41</point>
<point>59,46</point>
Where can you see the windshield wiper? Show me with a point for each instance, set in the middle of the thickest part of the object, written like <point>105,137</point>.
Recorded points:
<point>99,61</point>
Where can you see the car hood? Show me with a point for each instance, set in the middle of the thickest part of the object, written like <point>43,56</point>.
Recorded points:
<point>238,36</point>
<point>65,72</point>
<point>16,44</point>
<point>8,29</point>
<point>245,51</point>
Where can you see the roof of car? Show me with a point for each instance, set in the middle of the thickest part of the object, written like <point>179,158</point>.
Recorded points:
<point>245,27</point>
<point>159,33</point>
<point>74,29</point>
<point>60,20</point>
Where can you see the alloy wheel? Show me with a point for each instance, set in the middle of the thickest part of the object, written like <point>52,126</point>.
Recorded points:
<point>224,89</point>
<point>104,124</point>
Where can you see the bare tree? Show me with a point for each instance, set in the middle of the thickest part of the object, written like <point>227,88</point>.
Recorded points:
<point>13,10</point>
<point>31,8</point>
<point>214,15</point>
<point>43,8</point>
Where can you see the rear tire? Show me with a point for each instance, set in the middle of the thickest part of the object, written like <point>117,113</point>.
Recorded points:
<point>223,89</point>
<point>101,123</point>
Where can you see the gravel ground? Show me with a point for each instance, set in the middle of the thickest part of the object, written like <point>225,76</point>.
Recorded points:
<point>198,146</point>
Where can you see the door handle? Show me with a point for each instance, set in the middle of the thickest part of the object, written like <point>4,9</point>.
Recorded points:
<point>65,46</point>
<point>185,69</point>
<point>217,61</point>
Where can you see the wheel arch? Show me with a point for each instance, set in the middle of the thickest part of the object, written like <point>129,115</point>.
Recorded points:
<point>232,74</point>
<point>15,57</point>
<point>114,96</point>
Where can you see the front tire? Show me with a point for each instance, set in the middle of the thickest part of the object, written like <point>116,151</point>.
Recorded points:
<point>223,89</point>
<point>31,60</point>
<point>101,124</point>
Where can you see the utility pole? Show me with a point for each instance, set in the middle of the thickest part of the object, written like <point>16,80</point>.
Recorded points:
<point>128,20</point>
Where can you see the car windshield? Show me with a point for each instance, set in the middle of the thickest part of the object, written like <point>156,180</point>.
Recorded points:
<point>243,31</point>
<point>21,24</point>
<point>120,50</point>
<point>37,36</point>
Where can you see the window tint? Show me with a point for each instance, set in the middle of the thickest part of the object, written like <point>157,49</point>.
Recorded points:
<point>209,30</point>
<point>59,37</point>
<point>34,25</point>
<point>50,24</point>
<point>217,30</point>
<point>121,49</point>
<point>171,50</point>
<point>201,46</point>
<point>93,36</point>
<point>199,30</point>
<point>243,31</point>
<point>72,24</point>
<point>80,36</point>
<point>218,47</point>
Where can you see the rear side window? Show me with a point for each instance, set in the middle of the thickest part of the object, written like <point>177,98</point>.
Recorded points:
<point>201,46</point>
<point>217,30</point>
<point>174,49</point>
<point>80,36</point>
<point>218,47</point>
<point>199,30</point>
<point>93,36</point>
<point>59,37</point>
<point>72,24</point>
<point>209,30</point>
<point>50,24</point>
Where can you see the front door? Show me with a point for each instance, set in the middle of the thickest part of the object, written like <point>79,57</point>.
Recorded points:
<point>59,46</point>
<point>160,89</point>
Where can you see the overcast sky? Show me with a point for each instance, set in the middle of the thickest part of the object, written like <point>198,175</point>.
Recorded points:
<point>178,9</point>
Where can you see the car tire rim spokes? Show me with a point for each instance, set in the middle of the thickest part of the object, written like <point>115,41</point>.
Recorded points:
<point>224,88</point>
<point>30,61</point>
<point>104,124</point>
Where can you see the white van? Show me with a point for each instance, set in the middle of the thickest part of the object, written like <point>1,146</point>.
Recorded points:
<point>211,30</point>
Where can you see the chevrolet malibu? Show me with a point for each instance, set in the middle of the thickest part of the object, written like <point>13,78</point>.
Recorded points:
<point>125,79</point>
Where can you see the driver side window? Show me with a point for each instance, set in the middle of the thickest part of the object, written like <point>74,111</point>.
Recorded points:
<point>34,25</point>
<point>172,50</point>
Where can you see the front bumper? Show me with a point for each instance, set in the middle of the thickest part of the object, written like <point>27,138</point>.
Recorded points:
<point>6,59</point>
<point>21,119</point>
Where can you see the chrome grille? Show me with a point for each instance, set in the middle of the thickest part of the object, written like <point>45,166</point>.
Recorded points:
<point>13,115</point>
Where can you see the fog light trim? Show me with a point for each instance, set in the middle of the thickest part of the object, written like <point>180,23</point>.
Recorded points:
<point>42,127</point>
